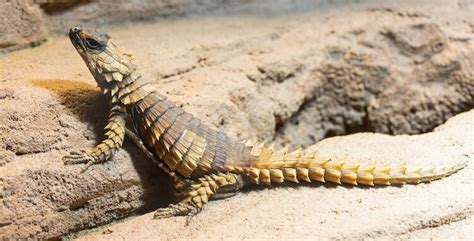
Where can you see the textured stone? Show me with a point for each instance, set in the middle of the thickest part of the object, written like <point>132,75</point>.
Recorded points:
<point>291,79</point>
<point>21,25</point>
<point>106,12</point>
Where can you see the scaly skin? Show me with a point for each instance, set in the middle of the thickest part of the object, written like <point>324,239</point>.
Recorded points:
<point>206,163</point>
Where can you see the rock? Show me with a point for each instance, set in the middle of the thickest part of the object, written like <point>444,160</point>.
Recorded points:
<point>21,25</point>
<point>372,84</point>
<point>60,15</point>
<point>291,79</point>
<point>441,209</point>
<point>55,6</point>
<point>27,22</point>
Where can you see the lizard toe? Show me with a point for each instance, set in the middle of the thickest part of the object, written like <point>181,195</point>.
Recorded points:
<point>173,210</point>
<point>76,157</point>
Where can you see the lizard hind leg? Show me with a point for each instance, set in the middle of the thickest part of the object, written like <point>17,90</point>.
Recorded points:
<point>230,189</point>
<point>193,193</point>
<point>199,192</point>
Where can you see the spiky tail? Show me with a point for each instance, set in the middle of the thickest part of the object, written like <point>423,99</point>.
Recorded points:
<point>269,166</point>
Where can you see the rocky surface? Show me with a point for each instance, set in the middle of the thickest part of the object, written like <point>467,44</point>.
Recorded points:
<point>31,22</point>
<point>291,79</point>
<point>21,25</point>
<point>439,210</point>
<point>28,22</point>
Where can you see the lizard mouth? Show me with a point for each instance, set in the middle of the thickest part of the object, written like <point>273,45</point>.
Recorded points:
<point>76,39</point>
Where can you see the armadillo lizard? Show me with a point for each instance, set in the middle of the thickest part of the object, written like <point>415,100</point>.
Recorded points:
<point>204,162</point>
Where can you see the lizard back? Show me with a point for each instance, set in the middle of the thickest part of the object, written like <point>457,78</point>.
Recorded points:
<point>185,145</point>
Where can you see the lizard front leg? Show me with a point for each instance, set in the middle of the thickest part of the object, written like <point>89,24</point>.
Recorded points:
<point>115,132</point>
<point>199,192</point>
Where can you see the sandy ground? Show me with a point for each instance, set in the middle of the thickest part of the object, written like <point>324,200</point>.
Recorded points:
<point>237,77</point>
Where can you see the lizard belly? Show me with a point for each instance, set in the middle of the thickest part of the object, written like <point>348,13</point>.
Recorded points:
<point>181,141</point>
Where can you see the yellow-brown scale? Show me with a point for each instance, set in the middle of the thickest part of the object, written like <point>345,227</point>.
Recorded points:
<point>210,158</point>
<point>193,150</point>
<point>115,132</point>
<point>208,139</point>
<point>162,127</point>
<point>181,141</point>
<point>269,166</point>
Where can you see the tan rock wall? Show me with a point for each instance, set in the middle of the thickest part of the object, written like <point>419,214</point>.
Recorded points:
<point>28,22</point>
<point>21,25</point>
<point>287,79</point>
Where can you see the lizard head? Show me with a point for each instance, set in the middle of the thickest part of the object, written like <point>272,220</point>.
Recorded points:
<point>106,61</point>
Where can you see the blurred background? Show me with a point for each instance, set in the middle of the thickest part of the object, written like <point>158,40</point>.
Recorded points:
<point>28,22</point>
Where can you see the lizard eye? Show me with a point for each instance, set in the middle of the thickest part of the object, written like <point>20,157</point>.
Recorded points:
<point>92,44</point>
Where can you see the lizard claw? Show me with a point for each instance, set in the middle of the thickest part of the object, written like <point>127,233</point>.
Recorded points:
<point>79,157</point>
<point>180,209</point>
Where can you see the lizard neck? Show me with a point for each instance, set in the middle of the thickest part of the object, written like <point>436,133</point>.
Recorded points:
<point>130,90</point>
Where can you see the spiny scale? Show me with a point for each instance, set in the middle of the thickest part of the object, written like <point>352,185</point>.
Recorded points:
<point>194,150</point>
<point>207,158</point>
